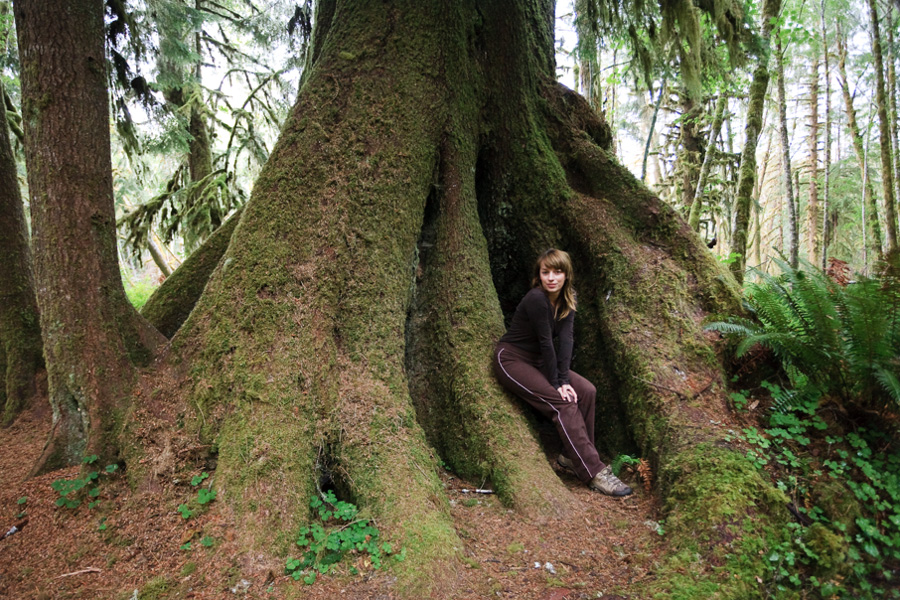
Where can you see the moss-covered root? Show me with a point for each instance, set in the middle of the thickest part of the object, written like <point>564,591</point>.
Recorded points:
<point>173,301</point>
<point>268,469</point>
<point>719,500</point>
<point>383,459</point>
<point>455,321</point>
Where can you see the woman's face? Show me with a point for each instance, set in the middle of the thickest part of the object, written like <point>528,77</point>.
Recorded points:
<point>552,280</point>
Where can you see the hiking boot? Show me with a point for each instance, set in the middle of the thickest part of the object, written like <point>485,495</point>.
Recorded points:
<point>565,463</point>
<point>609,484</point>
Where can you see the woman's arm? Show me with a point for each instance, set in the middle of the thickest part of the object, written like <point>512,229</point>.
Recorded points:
<point>564,356</point>
<point>540,313</point>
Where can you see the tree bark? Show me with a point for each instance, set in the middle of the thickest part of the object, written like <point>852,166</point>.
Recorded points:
<point>92,336</point>
<point>21,351</point>
<point>872,225</point>
<point>747,175</point>
<point>793,235</point>
<point>812,205</point>
<point>884,133</point>
<point>892,89</point>
<point>826,208</point>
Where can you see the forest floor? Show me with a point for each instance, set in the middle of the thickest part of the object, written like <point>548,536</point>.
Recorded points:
<point>130,546</point>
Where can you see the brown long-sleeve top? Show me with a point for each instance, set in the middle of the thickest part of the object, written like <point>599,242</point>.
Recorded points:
<point>533,328</point>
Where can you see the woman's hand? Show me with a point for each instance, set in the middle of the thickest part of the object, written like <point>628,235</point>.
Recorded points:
<point>567,393</point>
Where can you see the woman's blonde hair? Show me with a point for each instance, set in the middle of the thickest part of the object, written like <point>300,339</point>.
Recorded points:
<point>560,260</point>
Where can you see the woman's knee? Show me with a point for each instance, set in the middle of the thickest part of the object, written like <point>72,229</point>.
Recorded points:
<point>586,390</point>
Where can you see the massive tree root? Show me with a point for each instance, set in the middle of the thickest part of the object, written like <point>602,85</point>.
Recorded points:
<point>346,333</point>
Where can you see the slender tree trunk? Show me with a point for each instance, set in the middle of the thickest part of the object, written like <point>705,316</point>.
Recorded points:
<point>812,205</point>
<point>871,225</point>
<point>184,95</point>
<point>652,129</point>
<point>792,225</point>
<point>826,208</point>
<point>588,56</point>
<point>884,132</point>
<point>757,201</point>
<point>697,204</point>
<point>92,336</point>
<point>200,161</point>
<point>689,158</point>
<point>747,176</point>
<point>892,87</point>
<point>158,256</point>
<point>21,352</point>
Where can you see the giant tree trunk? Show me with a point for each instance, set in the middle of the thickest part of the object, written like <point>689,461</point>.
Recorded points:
<point>347,331</point>
<point>92,336</point>
<point>21,354</point>
<point>747,175</point>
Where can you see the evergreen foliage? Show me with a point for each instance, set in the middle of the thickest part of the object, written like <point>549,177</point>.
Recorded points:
<point>844,339</point>
<point>215,90</point>
<point>659,34</point>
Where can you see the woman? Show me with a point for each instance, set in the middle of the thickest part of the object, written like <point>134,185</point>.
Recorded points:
<point>528,365</point>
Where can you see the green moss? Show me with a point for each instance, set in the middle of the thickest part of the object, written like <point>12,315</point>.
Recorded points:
<point>722,516</point>
<point>830,548</point>
<point>836,501</point>
<point>156,588</point>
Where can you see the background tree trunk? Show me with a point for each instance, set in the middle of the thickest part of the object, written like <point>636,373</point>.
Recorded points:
<point>691,155</point>
<point>812,205</point>
<point>747,175</point>
<point>697,204</point>
<point>872,225</point>
<point>892,94</point>
<point>826,208</point>
<point>793,237</point>
<point>21,352</point>
<point>884,133</point>
<point>92,336</point>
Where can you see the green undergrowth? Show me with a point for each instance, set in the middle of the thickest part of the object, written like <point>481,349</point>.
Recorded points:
<point>83,488</point>
<point>138,289</point>
<point>198,503</point>
<point>844,486</point>
<point>828,440</point>
<point>339,533</point>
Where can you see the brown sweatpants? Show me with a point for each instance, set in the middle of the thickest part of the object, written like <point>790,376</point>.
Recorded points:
<point>520,372</point>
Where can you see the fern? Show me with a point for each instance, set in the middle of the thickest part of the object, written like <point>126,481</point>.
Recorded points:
<point>843,340</point>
